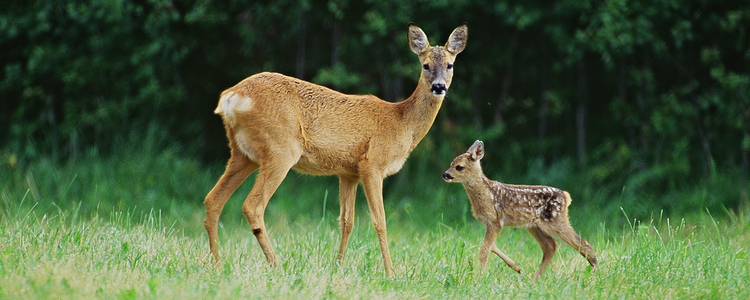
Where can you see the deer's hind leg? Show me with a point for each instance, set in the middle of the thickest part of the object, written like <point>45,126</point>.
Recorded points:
<point>238,169</point>
<point>548,245</point>
<point>272,172</point>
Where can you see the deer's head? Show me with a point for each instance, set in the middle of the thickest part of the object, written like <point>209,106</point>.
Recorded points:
<point>466,165</point>
<point>437,62</point>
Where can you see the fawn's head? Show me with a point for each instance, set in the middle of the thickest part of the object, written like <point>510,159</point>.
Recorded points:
<point>437,62</point>
<point>466,165</point>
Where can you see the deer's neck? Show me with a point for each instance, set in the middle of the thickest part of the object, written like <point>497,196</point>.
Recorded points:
<point>483,198</point>
<point>479,188</point>
<point>419,112</point>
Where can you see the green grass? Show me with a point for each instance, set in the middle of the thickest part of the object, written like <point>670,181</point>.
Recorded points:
<point>127,255</point>
<point>130,226</point>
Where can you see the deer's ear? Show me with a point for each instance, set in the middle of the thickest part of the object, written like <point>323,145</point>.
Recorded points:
<point>417,39</point>
<point>477,150</point>
<point>457,41</point>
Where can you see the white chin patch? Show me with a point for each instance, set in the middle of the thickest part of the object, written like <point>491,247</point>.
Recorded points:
<point>440,94</point>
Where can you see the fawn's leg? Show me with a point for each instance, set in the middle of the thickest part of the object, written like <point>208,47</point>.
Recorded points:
<point>347,197</point>
<point>266,183</point>
<point>566,232</point>
<point>489,245</point>
<point>548,245</point>
<point>238,169</point>
<point>373,185</point>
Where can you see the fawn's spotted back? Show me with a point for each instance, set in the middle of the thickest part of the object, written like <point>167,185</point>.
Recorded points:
<point>529,202</point>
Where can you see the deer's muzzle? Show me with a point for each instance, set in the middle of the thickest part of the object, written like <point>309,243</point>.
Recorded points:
<point>447,177</point>
<point>438,89</point>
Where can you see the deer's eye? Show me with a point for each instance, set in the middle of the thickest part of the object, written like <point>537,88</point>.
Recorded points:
<point>426,67</point>
<point>459,168</point>
<point>450,66</point>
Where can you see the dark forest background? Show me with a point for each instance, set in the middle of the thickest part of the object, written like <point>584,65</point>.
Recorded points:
<point>637,104</point>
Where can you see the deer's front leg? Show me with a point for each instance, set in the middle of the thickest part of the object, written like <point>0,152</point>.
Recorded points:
<point>347,197</point>
<point>489,242</point>
<point>489,245</point>
<point>374,191</point>
<point>506,259</point>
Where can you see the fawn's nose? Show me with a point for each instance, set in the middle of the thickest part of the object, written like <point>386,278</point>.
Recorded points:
<point>447,177</point>
<point>438,89</point>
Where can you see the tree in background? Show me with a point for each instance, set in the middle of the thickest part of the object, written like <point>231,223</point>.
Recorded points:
<point>645,102</point>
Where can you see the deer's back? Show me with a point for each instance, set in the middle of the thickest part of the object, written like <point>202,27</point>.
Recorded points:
<point>522,205</point>
<point>330,132</point>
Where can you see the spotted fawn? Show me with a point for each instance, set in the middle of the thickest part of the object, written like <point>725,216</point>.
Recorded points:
<point>542,210</point>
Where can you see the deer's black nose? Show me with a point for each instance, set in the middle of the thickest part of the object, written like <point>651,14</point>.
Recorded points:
<point>447,176</point>
<point>438,88</point>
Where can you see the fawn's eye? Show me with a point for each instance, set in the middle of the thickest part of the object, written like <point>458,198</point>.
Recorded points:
<point>450,66</point>
<point>426,67</point>
<point>459,168</point>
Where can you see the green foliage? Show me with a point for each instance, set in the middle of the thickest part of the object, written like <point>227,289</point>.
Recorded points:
<point>630,101</point>
<point>339,78</point>
<point>77,72</point>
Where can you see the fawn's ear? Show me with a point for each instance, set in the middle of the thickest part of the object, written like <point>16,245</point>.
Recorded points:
<point>457,40</point>
<point>417,39</point>
<point>477,150</point>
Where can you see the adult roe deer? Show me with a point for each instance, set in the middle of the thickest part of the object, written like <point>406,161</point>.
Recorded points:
<point>275,123</point>
<point>542,210</point>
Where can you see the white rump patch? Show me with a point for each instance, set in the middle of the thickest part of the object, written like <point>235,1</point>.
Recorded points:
<point>230,103</point>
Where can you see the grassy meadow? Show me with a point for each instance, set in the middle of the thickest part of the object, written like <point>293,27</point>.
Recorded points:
<point>130,227</point>
<point>126,256</point>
